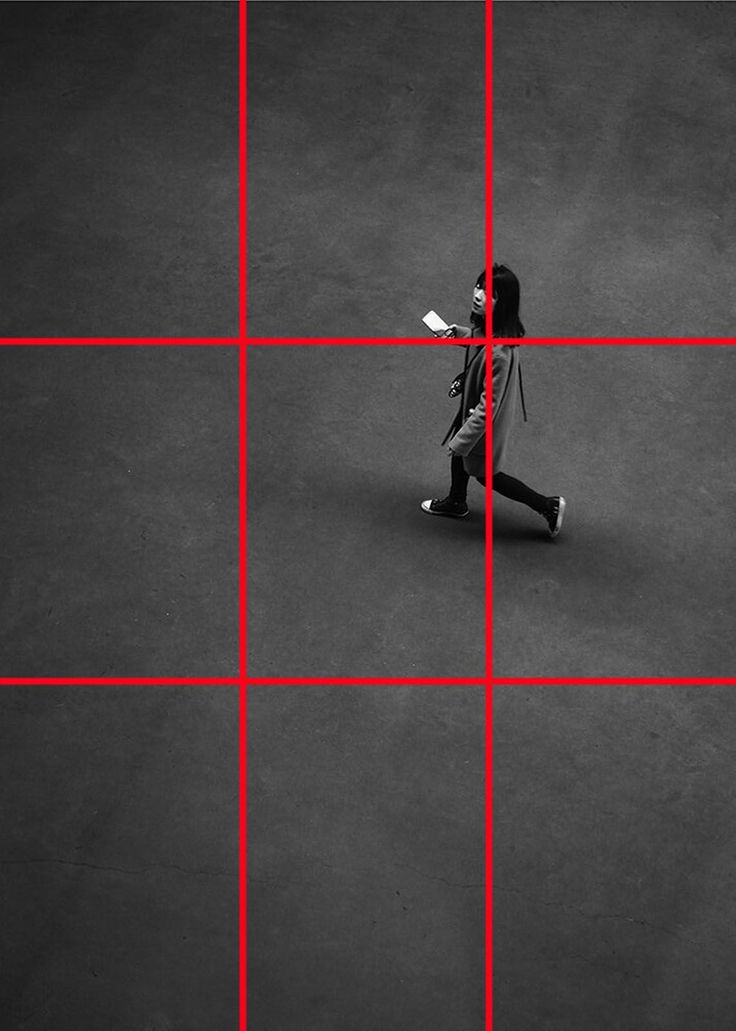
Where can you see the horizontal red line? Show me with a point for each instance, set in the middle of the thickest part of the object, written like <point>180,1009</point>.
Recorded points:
<point>350,341</point>
<point>609,681</point>
<point>355,342</point>
<point>348,681</point>
<point>526,342</point>
<point>120,341</point>
<point>628,342</point>
<point>119,681</point>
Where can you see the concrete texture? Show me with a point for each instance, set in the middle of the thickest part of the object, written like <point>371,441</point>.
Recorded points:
<point>366,858</point>
<point>119,169</point>
<point>611,177</point>
<point>118,511</point>
<point>118,875</point>
<point>366,164</point>
<point>640,581</point>
<point>346,575</point>
<point>614,858</point>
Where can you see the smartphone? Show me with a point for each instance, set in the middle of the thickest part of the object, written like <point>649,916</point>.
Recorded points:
<point>434,323</point>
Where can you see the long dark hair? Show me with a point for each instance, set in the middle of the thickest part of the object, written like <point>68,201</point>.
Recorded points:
<point>506,321</point>
<point>478,322</point>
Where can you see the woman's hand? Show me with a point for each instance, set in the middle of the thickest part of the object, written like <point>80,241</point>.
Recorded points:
<point>461,332</point>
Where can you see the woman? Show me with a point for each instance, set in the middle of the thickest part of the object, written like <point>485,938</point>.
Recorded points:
<point>467,433</point>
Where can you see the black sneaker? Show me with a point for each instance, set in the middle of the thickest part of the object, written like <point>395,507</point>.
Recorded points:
<point>554,513</point>
<point>446,507</point>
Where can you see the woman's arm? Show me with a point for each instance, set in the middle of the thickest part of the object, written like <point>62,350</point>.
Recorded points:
<point>461,332</point>
<point>501,362</point>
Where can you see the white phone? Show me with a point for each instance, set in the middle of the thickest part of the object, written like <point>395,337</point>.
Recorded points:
<point>434,323</point>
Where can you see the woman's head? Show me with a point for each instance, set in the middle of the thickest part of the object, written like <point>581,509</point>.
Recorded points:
<point>506,296</point>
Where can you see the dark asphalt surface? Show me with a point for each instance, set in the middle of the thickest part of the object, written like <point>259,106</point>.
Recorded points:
<point>366,858</point>
<point>118,511</point>
<point>366,165</point>
<point>614,858</point>
<point>119,872</point>
<point>612,195</point>
<point>119,169</point>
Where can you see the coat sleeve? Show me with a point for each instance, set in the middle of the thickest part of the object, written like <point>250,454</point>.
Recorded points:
<point>472,430</point>
<point>501,372</point>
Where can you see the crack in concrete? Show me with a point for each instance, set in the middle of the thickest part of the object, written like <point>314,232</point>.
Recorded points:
<point>203,872</point>
<point>605,966</point>
<point>361,877</point>
<point>440,880</point>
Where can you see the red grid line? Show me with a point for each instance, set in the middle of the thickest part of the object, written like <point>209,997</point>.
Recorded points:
<point>362,681</point>
<point>243,139</point>
<point>242,536</point>
<point>120,341</point>
<point>242,465</point>
<point>353,341</point>
<point>528,342</point>
<point>488,708</point>
<point>121,681</point>
<point>662,681</point>
<point>489,855</point>
<point>488,766</point>
<point>242,860</point>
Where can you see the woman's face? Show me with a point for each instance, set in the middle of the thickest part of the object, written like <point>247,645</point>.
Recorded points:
<point>479,301</point>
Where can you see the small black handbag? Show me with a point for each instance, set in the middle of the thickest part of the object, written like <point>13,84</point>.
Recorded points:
<point>456,387</point>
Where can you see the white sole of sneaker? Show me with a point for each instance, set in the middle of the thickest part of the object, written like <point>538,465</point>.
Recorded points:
<point>426,507</point>
<point>560,517</point>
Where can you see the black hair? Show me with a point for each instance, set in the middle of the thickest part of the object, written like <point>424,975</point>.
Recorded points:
<point>479,321</point>
<point>506,321</point>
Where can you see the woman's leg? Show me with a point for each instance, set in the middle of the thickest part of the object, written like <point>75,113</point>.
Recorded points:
<point>458,479</point>
<point>515,490</point>
<point>455,504</point>
<point>551,509</point>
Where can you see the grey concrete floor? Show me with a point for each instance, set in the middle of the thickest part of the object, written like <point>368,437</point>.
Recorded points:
<point>366,858</point>
<point>614,858</point>
<point>640,581</point>
<point>346,575</point>
<point>612,189</point>
<point>118,511</point>
<point>118,876</point>
<point>366,164</point>
<point>119,169</point>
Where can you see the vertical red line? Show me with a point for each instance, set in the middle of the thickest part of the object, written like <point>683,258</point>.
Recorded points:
<point>489,332</point>
<point>489,855</point>
<point>489,536</point>
<point>242,863</point>
<point>489,134</point>
<point>242,378</point>
<point>242,675</point>
<point>243,137</point>
<point>243,508</point>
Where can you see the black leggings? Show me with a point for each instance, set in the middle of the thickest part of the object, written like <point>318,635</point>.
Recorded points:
<point>506,486</point>
<point>458,479</point>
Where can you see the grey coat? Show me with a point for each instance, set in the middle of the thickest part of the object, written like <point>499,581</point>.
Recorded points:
<point>506,392</point>
<point>469,439</point>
